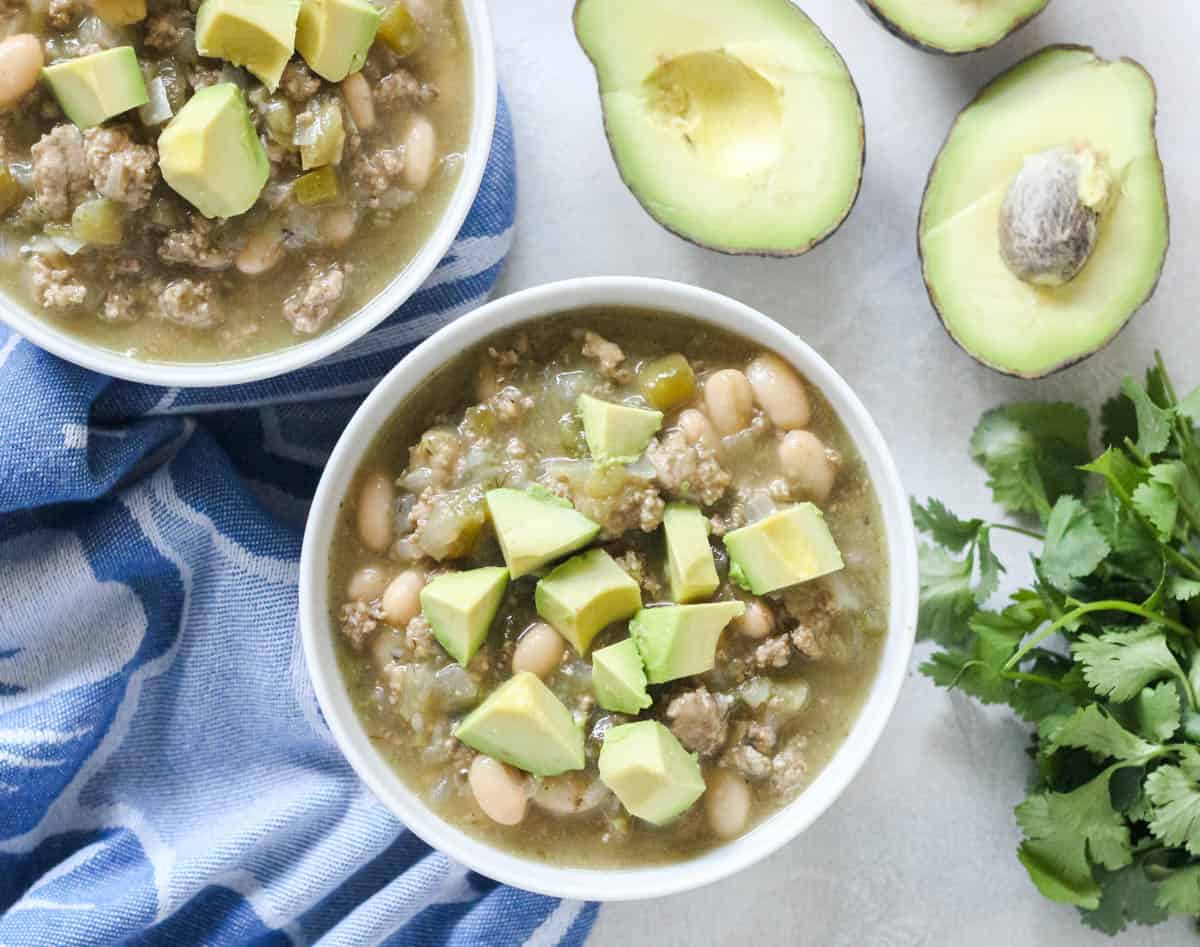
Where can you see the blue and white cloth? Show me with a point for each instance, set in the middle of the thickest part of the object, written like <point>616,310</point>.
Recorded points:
<point>165,774</point>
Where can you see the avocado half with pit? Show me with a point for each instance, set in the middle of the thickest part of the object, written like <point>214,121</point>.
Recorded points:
<point>1044,224</point>
<point>735,123</point>
<point>953,26</point>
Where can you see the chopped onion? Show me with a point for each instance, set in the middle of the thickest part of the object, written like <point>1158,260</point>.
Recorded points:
<point>69,245</point>
<point>307,132</point>
<point>95,30</point>
<point>759,506</point>
<point>158,109</point>
<point>755,692</point>
<point>22,173</point>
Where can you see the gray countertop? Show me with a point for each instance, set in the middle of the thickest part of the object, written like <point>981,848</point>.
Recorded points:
<point>920,849</point>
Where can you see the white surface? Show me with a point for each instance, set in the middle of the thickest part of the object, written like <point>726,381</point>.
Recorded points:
<point>521,309</point>
<point>920,849</point>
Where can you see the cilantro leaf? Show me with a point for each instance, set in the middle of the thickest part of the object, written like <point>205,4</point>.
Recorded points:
<point>1158,711</point>
<point>1121,473</point>
<point>1127,896</point>
<point>1065,833</point>
<point>1170,489</point>
<point>944,527</point>
<point>1135,551</point>
<point>989,568</point>
<point>1180,893</point>
<point>1153,422</point>
<point>1183,590</point>
<point>978,670</point>
<point>1118,664</point>
<point>1189,407</point>
<point>1031,451</point>
<point>1118,421</point>
<point>1089,728</point>
<point>1174,792</point>
<point>1074,545</point>
<point>947,599</point>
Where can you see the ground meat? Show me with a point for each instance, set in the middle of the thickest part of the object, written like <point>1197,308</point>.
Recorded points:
<point>196,245</point>
<point>189,303</point>
<point>60,176</point>
<point>607,355</point>
<point>121,304</point>
<point>121,169</point>
<point>638,568</point>
<point>401,87</point>
<point>203,74</point>
<point>749,762</point>
<point>298,83</point>
<point>54,283</point>
<point>376,174</point>
<point>788,768</point>
<point>762,737</point>
<point>166,32</point>
<point>418,636</point>
<point>316,298</point>
<point>812,610</point>
<point>688,471</point>
<point>447,525</point>
<point>359,621</point>
<point>636,504</point>
<point>509,404</point>
<point>699,720</point>
<point>438,452</point>
<point>63,13</point>
<point>773,652</point>
<point>731,519</point>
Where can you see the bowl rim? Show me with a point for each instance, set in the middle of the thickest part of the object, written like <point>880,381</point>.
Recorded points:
<point>399,290</point>
<point>607,884</point>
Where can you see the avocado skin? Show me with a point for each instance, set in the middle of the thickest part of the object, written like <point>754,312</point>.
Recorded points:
<point>732,251</point>
<point>900,33</point>
<point>1082,356</point>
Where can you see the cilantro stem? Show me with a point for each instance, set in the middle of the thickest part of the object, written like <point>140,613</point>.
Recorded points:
<point>1182,425</point>
<point>1107,605</point>
<point>1033,679</point>
<point>1142,459</point>
<point>1182,561</point>
<point>1019,530</point>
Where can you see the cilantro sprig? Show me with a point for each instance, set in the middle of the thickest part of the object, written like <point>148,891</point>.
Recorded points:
<point>1100,653</point>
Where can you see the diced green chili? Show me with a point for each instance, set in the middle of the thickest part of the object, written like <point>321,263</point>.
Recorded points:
<point>10,190</point>
<point>100,222</point>
<point>317,187</point>
<point>400,30</point>
<point>667,382</point>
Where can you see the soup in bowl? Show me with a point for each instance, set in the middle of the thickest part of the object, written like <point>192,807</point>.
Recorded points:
<point>607,576</point>
<point>203,194</point>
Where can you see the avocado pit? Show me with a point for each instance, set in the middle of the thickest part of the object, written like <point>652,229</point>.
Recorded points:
<point>1051,214</point>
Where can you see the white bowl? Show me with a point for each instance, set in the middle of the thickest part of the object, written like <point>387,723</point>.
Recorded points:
<point>236,371</point>
<point>635,882</point>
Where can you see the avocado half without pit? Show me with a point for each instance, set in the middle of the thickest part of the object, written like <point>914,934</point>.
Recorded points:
<point>953,26</point>
<point>1044,223</point>
<point>735,123</point>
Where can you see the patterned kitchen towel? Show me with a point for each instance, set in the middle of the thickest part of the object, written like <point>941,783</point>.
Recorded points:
<point>165,775</point>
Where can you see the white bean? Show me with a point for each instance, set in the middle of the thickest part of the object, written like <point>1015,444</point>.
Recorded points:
<point>730,401</point>
<point>402,598</point>
<point>806,464</point>
<point>375,512</point>
<point>727,803</point>
<point>337,226</point>
<point>498,789</point>
<point>757,622</point>
<point>696,428</point>
<point>420,153</point>
<point>21,60</point>
<point>779,392</point>
<point>358,98</point>
<point>539,650</point>
<point>367,584</point>
<point>262,251</point>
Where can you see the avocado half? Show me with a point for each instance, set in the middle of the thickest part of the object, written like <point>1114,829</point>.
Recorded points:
<point>734,123</point>
<point>1090,250</point>
<point>953,27</point>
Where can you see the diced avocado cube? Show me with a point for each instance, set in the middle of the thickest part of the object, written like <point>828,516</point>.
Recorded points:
<point>585,595</point>
<point>460,607</point>
<point>690,567</point>
<point>681,640</point>
<point>655,778</point>
<point>334,36</point>
<point>619,679</point>
<point>791,545</point>
<point>535,527</point>
<point>616,433</point>
<point>210,155</point>
<point>523,724</point>
<point>94,88</point>
<point>257,34</point>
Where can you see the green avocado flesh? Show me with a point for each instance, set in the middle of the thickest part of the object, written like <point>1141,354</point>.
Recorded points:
<point>955,26</point>
<point>1062,97</point>
<point>94,88</point>
<point>648,769</point>
<point>734,122</point>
